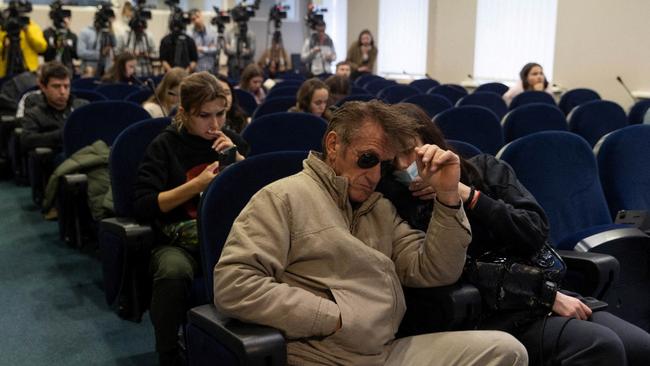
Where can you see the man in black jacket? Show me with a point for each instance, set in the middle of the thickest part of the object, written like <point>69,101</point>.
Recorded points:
<point>43,123</point>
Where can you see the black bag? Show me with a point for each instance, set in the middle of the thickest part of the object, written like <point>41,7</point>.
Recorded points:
<point>507,282</point>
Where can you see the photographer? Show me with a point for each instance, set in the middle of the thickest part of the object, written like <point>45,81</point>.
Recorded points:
<point>177,49</point>
<point>318,50</point>
<point>205,38</point>
<point>61,42</point>
<point>21,40</point>
<point>139,41</point>
<point>275,59</point>
<point>97,42</point>
<point>240,41</point>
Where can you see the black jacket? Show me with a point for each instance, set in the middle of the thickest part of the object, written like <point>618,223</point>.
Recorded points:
<point>178,50</point>
<point>68,48</point>
<point>43,125</point>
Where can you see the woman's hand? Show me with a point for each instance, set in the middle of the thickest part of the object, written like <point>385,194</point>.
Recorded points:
<point>221,142</point>
<point>539,86</point>
<point>571,307</point>
<point>441,170</point>
<point>207,175</point>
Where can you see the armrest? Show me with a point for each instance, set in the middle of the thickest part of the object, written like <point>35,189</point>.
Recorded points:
<point>590,274</point>
<point>39,168</point>
<point>251,344</point>
<point>453,307</point>
<point>615,237</point>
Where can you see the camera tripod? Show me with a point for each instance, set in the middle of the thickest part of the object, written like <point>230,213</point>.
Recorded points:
<point>105,40</point>
<point>14,55</point>
<point>137,43</point>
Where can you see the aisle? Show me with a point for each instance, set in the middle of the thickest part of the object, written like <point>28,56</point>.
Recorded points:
<point>52,308</point>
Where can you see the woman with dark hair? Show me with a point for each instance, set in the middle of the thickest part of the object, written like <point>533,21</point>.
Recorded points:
<point>531,77</point>
<point>123,69</point>
<point>362,54</point>
<point>251,81</point>
<point>236,119</point>
<point>312,97</point>
<point>166,93</point>
<point>506,220</point>
<point>178,165</point>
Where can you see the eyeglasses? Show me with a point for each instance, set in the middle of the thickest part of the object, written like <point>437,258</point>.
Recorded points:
<point>369,160</point>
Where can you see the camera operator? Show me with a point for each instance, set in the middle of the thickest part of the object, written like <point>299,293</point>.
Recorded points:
<point>177,49</point>
<point>318,50</point>
<point>205,38</point>
<point>139,41</point>
<point>61,42</point>
<point>21,40</point>
<point>96,46</point>
<point>275,59</point>
<point>240,41</point>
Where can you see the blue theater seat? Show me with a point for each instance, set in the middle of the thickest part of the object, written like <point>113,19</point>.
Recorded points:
<point>285,131</point>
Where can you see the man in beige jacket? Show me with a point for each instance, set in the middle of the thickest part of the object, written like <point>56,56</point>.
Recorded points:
<point>322,257</point>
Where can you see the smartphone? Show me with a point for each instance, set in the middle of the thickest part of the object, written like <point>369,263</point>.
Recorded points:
<point>595,304</point>
<point>227,156</point>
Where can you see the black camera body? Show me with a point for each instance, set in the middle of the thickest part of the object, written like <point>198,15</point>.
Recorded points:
<point>138,22</point>
<point>314,16</point>
<point>58,14</point>
<point>14,17</point>
<point>103,16</point>
<point>178,19</point>
<point>220,20</point>
<point>277,13</point>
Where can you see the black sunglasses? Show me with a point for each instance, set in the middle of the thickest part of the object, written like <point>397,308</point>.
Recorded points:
<point>369,160</point>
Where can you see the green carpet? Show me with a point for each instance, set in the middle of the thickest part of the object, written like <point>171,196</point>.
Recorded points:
<point>52,308</point>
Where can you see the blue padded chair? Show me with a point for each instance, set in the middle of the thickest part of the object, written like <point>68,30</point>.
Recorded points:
<point>89,95</point>
<point>139,96</point>
<point>285,131</point>
<point>477,125</point>
<point>85,83</point>
<point>638,111</point>
<point>117,91</point>
<point>574,97</point>
<point>424,84</point>
<point>290,75</point>
<point>624,164</point>
<point>432,104</point>
<point>464,149</point>
<point>274,105</point>
<point>246,101</point>
<point>123,243</point>
<point>494,87</point>
<point>560,170</point>
<point>489,100</point>
<point>290,82</point>
<point>282,91</point>
<point>531,118</point>
<point>375,86</point>
<point>358,97</point>
<point>532,96</point>
<point>396,93</point>
<point>356,90</point>
<point>450,91</point>
<point>592,120</point>
<point>364,79</point>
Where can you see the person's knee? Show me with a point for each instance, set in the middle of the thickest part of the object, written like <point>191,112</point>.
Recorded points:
<point>508,350</point>
<point>172,264</point>
<point>606,345</point>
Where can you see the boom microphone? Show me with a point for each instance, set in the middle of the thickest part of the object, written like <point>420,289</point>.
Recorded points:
<point>618,78</point>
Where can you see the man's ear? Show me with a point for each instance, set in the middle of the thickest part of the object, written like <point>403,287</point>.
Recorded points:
<point>331,144</point>
<point>41,86</point>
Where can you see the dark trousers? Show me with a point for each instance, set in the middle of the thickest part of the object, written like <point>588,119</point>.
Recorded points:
<point>603,340</point>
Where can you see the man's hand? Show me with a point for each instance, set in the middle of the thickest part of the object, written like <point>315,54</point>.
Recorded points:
<point>441,170</point>
<point>571,307</point>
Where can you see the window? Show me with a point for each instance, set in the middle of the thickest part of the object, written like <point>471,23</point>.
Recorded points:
<point>336,18</point>
<point>511,33</point>
<point>402,37</point>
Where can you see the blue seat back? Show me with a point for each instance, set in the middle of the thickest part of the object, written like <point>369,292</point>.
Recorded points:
<point>100,120</point>
<point>85,83</point>
<point>274,105</point>
<point>285,131</point>
<point>229,193</point>
<point>117,91</point>
<point>432,104</point>
<point>560,170</point>
<point>489,100</point>
<point>464,149</point>
<point>424,84</point>
<point>531,118</point>
<point>450,91</point>
<point>89,95</point>
<point>494,87</point>
<point>355,90</point>
<point>125,158</point>
<point>246,101</point>
<point>375,86</point>
<point>575,97</point>
<point>624,163</point>
<point>358,97</point>
<point>283,91</point>
<point>364,79</point>
<point>290,75</point>
<point>532,96</point>
<point>396,93</point>
<point>638,111</point>
<point>139,96</point>
<point>477,125</point>
<point>289,82</point>
<point>592,120</point>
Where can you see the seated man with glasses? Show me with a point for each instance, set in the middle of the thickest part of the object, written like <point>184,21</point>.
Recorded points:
<point>322,257</point>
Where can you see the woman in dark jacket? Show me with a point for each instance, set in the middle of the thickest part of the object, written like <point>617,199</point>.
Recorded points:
<point>178,165</point>
<point>556,327</point>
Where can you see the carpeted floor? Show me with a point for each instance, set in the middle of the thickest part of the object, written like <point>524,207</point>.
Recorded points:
<point>52,308</point>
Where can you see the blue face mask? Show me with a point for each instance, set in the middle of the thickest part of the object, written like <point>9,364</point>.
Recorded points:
<point>406,176</point>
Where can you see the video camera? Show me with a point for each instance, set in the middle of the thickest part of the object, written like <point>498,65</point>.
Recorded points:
<point>103,16</point>
<point>314,16</point>
<point>58,14</point>
<point>138,22</point>
<point>241,13</point>
<point>14,17</point>
<point>178,19</point>
<point>220,20</point>
<point>277,13</point>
